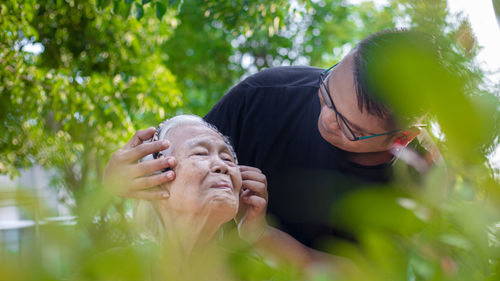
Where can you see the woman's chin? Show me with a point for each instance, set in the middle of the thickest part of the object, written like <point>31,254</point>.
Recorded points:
<point>224,206</point>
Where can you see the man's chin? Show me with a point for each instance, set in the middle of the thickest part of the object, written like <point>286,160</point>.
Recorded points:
<point>336,140</point>
<point>332,139</point>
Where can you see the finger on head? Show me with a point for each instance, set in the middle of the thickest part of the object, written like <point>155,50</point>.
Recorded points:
<point>256,187</point>
<point>152,194</point>
<point>245,193</point>
<point>147,167</point>
<point>138,152</point>
<point>140,136</point>
<point>153,180</point>
<point>244,168</point>
<point>252,175</point>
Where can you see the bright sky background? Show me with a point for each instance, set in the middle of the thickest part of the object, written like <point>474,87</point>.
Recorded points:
<point>485,27</point>
<point>487,30</point>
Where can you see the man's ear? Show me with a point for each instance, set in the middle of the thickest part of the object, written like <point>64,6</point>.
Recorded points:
<point>405,137</point>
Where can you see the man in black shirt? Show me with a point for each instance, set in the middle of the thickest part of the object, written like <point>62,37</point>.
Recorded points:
<point>273,121</point>
<point>315,134</point>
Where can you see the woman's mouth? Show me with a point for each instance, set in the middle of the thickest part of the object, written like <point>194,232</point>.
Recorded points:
<point>222,185</point>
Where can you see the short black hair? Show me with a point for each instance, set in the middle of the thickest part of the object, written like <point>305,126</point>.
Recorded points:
<point>374,49</point>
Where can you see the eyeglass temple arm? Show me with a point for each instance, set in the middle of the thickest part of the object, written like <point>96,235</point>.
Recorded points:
<point>378,135</point>
<point>326,70</point>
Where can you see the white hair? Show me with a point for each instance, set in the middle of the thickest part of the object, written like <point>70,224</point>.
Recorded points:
<point>165,128</point>
<point>146,217</point>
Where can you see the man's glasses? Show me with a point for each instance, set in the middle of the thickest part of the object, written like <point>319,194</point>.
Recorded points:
<point>341,121</point>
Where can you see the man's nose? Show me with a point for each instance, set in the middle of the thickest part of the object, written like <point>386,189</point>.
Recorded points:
<point>219,166</point>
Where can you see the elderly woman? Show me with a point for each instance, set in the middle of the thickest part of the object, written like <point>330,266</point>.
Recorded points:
<point>207,192</point>
<point>204,195</point>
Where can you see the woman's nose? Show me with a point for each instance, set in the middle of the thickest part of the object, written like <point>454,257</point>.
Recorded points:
<point>219,166</point>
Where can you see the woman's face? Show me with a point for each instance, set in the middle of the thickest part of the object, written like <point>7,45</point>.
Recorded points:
<point>207,177</point>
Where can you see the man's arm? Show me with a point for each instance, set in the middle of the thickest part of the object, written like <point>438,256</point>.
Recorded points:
<point>271,242</point>
<point>282,248</point>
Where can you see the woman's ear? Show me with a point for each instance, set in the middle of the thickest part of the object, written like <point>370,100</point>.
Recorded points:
<point>165,190</point>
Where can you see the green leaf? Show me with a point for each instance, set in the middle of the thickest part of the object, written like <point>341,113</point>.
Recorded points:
<point>116,6</point>
<point>457,241</point>
<point>125,10</point>
<point>139,11</point>
<point>144,2</point>
<point>160,10</point>
<point>129,1</point>
<point>101,4</point>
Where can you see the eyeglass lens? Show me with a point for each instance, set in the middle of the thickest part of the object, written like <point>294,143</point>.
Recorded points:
<point>344,128</point>
<point>340,120</point>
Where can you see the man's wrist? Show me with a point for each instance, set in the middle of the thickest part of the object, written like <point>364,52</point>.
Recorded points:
<point>254,237</point>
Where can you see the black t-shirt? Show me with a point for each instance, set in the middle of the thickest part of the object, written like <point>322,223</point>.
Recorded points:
<point>272,119</point>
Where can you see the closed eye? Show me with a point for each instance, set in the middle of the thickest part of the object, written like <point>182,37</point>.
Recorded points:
<point>358,133</point>
<point>200,152</point>
<point>355,130</point>
<point>227,157</point>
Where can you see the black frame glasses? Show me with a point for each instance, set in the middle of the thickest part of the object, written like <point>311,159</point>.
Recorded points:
<point>343,123</point>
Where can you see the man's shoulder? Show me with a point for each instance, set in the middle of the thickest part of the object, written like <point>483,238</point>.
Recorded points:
<point>284,76</point>
<point>299,82</point>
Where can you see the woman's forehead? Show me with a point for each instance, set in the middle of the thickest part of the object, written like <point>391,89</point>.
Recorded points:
<point>194,134</point>
<point>205,140</point>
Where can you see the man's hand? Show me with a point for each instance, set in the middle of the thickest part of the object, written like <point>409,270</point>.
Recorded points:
<point>125,177</point>
<point>251,217</point>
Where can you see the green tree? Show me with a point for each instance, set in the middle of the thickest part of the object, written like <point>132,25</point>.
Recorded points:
<point>99,77</point>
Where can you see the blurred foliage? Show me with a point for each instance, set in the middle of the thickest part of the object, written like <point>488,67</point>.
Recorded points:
<point>102,74</point>
<point>98,77</point>
<point>106,68</point>
<point>496,6</point>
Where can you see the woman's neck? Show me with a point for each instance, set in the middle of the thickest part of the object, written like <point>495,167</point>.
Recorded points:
<point>191,253</point>
<point>189,235</point>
